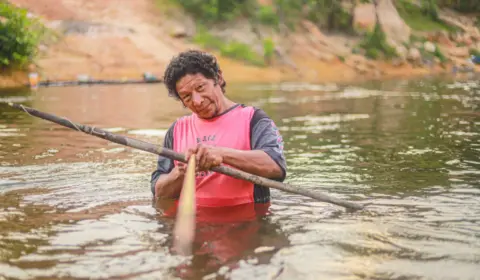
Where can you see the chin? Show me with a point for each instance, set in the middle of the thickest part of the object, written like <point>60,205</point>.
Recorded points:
<point>208,114</point>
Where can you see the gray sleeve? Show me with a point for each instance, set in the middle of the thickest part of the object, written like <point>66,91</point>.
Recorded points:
<point>265,136</point>
<point>164,165</point>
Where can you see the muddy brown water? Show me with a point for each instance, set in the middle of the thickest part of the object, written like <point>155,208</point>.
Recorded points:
<point>73,206</point>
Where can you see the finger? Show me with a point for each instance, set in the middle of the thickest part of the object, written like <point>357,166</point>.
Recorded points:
<point>181,171</point>
<point>190,152</point>
<point>217,161</point>
<point>208,162</point>
<point>180,164</point>
<point>201,156</point>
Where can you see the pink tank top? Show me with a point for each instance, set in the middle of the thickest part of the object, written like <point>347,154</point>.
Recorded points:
<point>231,130</point>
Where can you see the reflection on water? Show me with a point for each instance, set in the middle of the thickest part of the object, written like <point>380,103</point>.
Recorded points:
<point>75,206</point>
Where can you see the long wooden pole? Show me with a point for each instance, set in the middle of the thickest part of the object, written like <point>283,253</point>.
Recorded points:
<point>159,150</point>
<point>184,231</point>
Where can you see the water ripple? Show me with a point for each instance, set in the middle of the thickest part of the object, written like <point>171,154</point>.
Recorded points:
<point>77,207</point>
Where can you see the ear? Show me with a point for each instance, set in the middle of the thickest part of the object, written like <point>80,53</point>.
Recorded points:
<point>221,81</point>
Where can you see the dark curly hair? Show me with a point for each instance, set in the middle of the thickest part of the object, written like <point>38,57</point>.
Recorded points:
<point>191,62</point>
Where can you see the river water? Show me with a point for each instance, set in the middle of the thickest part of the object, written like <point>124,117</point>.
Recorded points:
<point>74,206</point>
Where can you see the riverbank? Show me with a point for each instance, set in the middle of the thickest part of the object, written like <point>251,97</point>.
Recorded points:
<point>120,40</point>
<point>319,72</point>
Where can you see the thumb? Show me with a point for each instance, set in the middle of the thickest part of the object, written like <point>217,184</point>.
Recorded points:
<point>190,152</point>
<point>217,161</point>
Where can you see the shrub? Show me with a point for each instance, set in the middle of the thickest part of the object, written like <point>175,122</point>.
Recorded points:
<point>267,16</point>
<point>241,51</point>
<point>375,43</point>
<point>372,53</point>
<point>438,53</point>
<point>268,49</point>
<point>209,11</point>
<point>231,49</point>
<point>424,18</point>
<point>19,37</point>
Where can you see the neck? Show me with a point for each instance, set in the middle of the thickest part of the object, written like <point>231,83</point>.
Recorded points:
<point>225,105</point>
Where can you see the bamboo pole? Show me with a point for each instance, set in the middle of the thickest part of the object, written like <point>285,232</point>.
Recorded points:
<point>184,231</point>
<point>159,150</point>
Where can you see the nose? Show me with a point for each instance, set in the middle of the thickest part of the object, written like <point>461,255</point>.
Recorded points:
<point>197,99</point>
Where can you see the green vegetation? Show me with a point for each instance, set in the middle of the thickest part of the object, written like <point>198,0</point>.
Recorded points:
<point>231,49</point>
<point>430,56</point>
<point>19,37</point>
<point>375,44</point>
<point>438,53</point>
<point>464,6</point>
<point>331,15</point>
<point>430,9</point>
<point>425,54</point>
<point>414,38</point>
<point>236,49</point>
<point>421,19</point>
<point>268,50</point>
<point>325,13</point>
<point>211,11</point>
<point>266,15</point>
<point>474,52</point>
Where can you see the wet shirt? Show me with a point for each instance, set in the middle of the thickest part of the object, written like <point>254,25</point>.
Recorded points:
<point>241,127</point>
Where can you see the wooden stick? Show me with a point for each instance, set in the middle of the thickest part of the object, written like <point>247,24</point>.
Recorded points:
<point>184,231</point>
<point>159,150</point>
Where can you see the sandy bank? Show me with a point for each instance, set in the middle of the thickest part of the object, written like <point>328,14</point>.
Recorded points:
<point>236,72</point>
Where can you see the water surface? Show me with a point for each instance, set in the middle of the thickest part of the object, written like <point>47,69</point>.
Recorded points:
<point>75,206</point>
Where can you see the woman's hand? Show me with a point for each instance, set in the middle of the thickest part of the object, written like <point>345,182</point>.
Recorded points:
<point>206,156</point>
<point>179,170</point>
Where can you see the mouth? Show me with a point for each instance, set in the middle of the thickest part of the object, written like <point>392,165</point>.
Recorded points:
<point>205,109</point>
